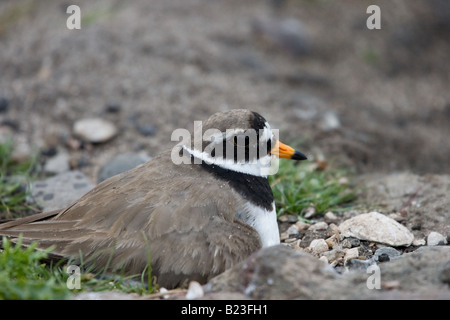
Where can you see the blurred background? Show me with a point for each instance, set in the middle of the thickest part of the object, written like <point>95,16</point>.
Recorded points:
<point>373,100</point>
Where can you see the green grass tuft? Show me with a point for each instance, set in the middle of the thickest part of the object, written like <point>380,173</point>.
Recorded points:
<point>23,275</point>
<point>14,179</point>
<point>299,186</point>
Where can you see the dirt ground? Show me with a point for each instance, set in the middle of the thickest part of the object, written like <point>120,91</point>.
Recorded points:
<point>165,64</point>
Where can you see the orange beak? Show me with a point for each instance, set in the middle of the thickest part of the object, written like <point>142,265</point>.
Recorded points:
<point>286,152</point>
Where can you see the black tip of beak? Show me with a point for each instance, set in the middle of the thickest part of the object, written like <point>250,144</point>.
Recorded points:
<point>298,156</point>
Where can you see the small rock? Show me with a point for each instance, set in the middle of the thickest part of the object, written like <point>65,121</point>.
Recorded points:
<point>419,242</point>
<point>146,129</point>
<point>113,107</point>
<point>359,265</point>
<point>94,130</point>
<point>318,246</point>
<point>330,217</point>
<point>57,164</point>
<point>309,212</point>
<point>302,225</point>
<point>436,239</point>
<point>284,236</point>
<point>386,254</point>
<point>334,255</point>
<point>61,190</point>
<point>332,241</point>
<point>288,218</point>
<point>318,226</point>
<point>351,254</point>
<point>374,226</point>
<point>195,291</point>
<point>332,229</point>
<point>22,150</point>
<point>330,121</point>
<point>293,231</point>
<point>324,259</point>
<point>119,164</point>
<point>350,243</point>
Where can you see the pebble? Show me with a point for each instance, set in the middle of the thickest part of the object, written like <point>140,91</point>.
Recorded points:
<point>386,254</point>
<point>120,163</point>
<point>60,190</point>
<point>146,129</point>
<point>113,107</point>
<point>293,231</point>
<point>350,243</point>
<point>309,212</point>
<point>302,225</point>
<point>330,217</point>
<point>332,229</point>
<point>58,163</point>
<point>318,226</point>
<point>334,255</point>
<point>350,254</point>
<point>332,241</point>
<point>374,226</point>
<point>288,218</point>
<point>359,265</point>
<point>419,242</point>
<point>330,121</point>
<point>318,246</point>
<point>436,239</point>
<point>195,291</point>
<point>94,130</point>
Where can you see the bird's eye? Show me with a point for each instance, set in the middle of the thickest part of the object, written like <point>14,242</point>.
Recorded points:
<point>241,141</point>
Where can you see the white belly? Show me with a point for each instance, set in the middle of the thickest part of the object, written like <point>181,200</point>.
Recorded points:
<point>263,221</point>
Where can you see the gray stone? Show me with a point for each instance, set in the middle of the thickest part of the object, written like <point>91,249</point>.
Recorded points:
<point>58,163</point>
<point>276,272</point>
<point>318,246</point>
<point>279,272</point>
<point>318,226</point>
<point>374,226</point>
<point>61,190</point>
<point>386,254</point>
<point>119,164</point>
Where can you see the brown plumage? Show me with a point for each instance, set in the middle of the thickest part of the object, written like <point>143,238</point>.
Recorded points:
<point>182,215</point>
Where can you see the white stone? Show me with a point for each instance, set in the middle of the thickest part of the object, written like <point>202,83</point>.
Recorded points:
<point>292,230</point>
<point>435,239</point>
<point>318,246</point>
<point>94,130</point>
<point>330,216</point>
<point>419,242</point>
<point>374,226</point>
<point>302,225</point>
<point>352,253</point>
<point>318,226</point>
<point>195,291</point>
